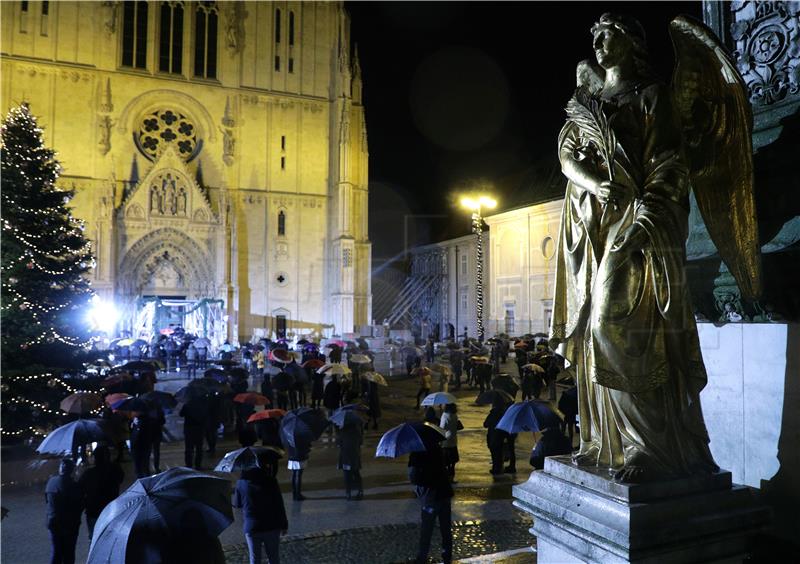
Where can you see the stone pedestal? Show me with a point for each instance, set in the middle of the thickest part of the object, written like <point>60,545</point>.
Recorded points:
<point>581,515</point>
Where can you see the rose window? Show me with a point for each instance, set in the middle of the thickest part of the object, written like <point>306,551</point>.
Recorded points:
<point>162,127</point>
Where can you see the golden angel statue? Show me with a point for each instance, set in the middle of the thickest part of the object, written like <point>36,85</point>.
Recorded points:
<point>631,149</point>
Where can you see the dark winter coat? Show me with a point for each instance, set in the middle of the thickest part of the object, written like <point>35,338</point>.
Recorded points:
<point>332,396</point>
<point>100,485</point>
<point>258,495</point>
<point>349,441</point>
<point>552,443</point>
<point>64,502</point>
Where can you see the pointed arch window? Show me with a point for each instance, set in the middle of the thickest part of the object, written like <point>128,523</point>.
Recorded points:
<point>205,40</point>
<point>281,223</point>
<point>134,34</point>
<point>170,45</point>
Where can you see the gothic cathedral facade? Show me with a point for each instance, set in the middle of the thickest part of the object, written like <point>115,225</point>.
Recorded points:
<point>218,151</point>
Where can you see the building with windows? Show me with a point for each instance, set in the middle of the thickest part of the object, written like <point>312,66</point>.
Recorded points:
<point>218,151</point>
<point>521,269</point>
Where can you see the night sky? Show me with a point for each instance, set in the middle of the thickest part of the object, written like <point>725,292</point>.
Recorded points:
<point>466,94</point>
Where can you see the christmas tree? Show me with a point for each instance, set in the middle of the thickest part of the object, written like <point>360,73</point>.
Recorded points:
<point>44,259</point>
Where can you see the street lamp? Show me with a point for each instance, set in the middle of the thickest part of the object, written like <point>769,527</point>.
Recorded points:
<point>475,204</point>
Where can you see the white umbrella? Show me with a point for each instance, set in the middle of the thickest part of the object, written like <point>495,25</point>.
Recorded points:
<point>334,368</point>
<point>438,398</point>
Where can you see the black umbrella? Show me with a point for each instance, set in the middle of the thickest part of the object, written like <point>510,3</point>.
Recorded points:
<point>211,384</point>
<point>491,396</point>
<point>137,366</point>
<point>132,404</point>
<point>225,363</point>
<point>191,393</point>
<point>506,383</point>
<point>302,426</point>
<point>150,516</point>
<point>245,458</point>
<point>67,438</point>
<point>163,399</point>
<point>215,373</point>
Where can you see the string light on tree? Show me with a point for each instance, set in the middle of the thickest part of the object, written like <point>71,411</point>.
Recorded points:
<point>476,204</point>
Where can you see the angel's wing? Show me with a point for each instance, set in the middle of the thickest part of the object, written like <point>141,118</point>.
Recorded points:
<point>710,99</point>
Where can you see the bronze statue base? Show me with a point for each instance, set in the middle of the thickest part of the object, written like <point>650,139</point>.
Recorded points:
<point>583,515</point>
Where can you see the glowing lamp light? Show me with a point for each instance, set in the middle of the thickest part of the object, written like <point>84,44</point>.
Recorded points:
<point>102,316</point>
<point>476,204</point>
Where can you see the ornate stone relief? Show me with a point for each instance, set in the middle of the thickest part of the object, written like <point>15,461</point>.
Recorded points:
<point>110,19</point>
<point>104,125</point>
<point>234,30</point>
<point>168,196</point>
<point>228,140</point>
<point>767,48</point>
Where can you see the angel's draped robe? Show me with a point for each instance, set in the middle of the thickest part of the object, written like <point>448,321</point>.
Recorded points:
<point>625,319</point>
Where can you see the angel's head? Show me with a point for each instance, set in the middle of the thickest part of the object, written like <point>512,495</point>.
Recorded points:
<point>616,37</point>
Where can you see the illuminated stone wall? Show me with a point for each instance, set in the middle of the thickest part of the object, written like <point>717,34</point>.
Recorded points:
<point>184,155</point>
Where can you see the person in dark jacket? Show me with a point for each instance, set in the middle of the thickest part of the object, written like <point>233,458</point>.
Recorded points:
<point>141,444</point>
<point>457,366</point>
<point>194,414</point>
<point>158,420</point>
<point>64,498</point>
<point>332,396</point>
<point>374,404</point>
<point>268,430</point>
<point>495,439</point>
<point>552,443</point>
<point>349,440</point>
<point>427,472</point>
<point>100,485</point>
<point>258,495</point>
<point>317,389</point>
<point>568,405</point>
<point>213,419</point>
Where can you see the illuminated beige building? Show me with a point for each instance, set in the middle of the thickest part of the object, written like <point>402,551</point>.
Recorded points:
<point>218,151</point>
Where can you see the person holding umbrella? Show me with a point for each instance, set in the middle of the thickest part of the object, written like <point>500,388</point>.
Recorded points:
<point>425,383</point>
<point>258,495</point>
<point>374,404</point>
<point>141,443</point>
<point>100,485</point>
<point>349,438</point>
<point>450,424</point>
<point>65,504</point>
<point>495,439</point>
<point>194,413</point>
<point>426,471</point>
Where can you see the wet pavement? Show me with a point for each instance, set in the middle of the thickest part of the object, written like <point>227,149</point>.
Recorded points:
<point>383,527</point>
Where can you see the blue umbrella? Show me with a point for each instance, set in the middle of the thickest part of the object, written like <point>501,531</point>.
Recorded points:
<point>131,404</point>
<point>408,437</point>
<point>156,510</point>
<point>438,398</point>
<point>247,457</point>
<point>343,417</point>
<point>532,415</point>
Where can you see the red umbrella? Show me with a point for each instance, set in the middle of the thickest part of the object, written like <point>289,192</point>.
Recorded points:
<point>266,414</point>
<point>314,363</point>
<point>114,398</point>
<point>251,398</point>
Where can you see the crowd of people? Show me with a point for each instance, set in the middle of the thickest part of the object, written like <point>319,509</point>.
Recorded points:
<point>210,403</point>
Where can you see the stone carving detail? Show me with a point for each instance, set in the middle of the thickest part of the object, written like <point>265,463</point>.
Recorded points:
<point>134,211</point>
<point>167,196</point>
<point>106,105</point>
<point>104,125</point>
<point>162,127</point>
<point>200,216</point>
<point>228,140</point>
<point>234,31</point>
<point>767,48</point>
<point>110,21</point>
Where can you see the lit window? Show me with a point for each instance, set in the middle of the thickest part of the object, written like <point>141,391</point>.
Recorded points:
<point>170,48</point>
<point>281,223</point>
<point>291,28</point>
<point>277,26</point>
<point>205,40</point>
<point>134,34</point>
